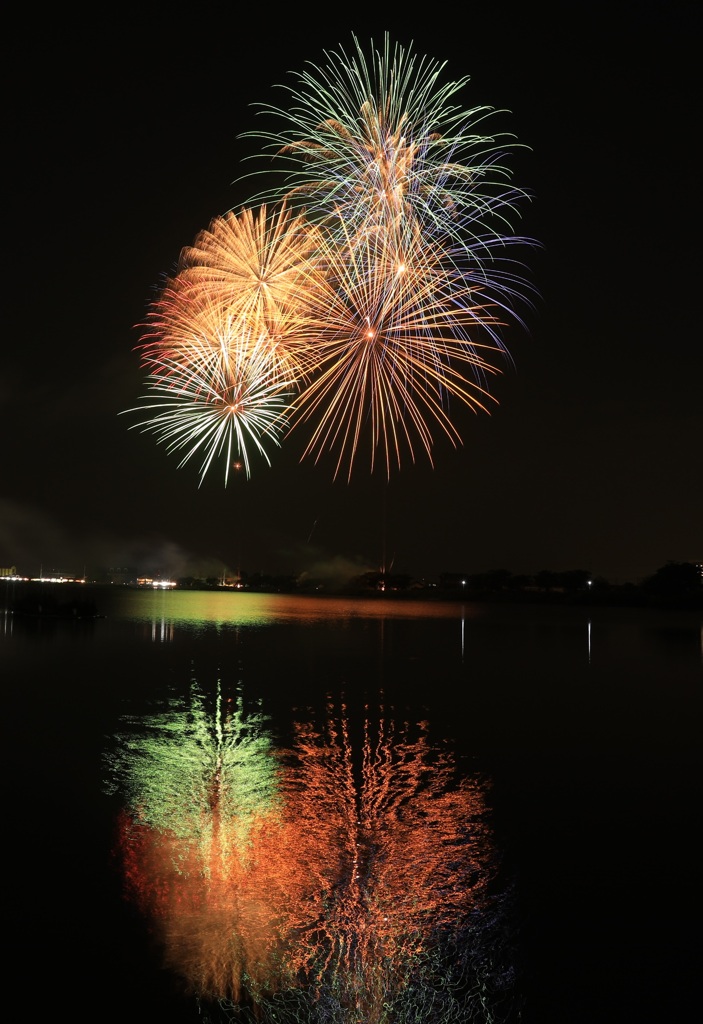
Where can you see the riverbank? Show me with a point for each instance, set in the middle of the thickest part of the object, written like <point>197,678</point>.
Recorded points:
<point>82,600</point>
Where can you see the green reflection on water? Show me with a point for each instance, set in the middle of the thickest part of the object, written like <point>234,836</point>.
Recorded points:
<point>235,608</point>
<point>181,765</point>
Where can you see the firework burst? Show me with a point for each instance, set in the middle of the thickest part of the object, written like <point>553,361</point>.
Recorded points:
<point>221,397</point>
<point>383,141</point>
<point>360,296</point>
<point>253,271</point>
<point>395,343</point>
<point>415,207</point>
<point>227,344</point>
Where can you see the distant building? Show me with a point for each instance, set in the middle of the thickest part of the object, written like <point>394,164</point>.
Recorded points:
<point>11,571</point>
<point>155,583</point>
<point>58,577</point>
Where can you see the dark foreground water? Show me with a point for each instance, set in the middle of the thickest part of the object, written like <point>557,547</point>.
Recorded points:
<point>349,810</point>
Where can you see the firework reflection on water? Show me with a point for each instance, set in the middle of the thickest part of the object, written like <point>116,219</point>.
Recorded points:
<point>348,874</point>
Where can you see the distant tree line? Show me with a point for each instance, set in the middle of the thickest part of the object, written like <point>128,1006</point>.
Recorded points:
<point>673,583</point>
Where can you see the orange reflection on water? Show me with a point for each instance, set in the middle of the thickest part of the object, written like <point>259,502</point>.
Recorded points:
<point>214,914</point>
<point>376,851</point>
<point>398,848</point>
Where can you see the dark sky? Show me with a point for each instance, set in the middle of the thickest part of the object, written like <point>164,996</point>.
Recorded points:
<point>121,143</point>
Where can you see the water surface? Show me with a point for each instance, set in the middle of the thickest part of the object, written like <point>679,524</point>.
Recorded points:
<point>565,741</point>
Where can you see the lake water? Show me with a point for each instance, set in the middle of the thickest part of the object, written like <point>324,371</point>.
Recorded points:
<point>352,810</point>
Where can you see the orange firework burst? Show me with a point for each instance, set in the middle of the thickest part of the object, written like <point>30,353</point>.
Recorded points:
<point>255,270</point>
<point>227,342</point>
<point>395,340</point>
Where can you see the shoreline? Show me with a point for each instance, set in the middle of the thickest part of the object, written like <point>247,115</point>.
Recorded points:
<point>81,599</point>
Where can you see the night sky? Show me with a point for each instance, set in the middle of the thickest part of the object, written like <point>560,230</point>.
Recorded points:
<point>122,142</point>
